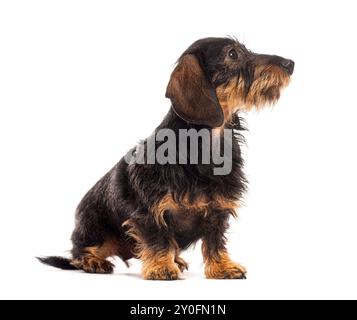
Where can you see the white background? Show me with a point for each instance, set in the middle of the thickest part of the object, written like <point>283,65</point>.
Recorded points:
<point>82,81</point>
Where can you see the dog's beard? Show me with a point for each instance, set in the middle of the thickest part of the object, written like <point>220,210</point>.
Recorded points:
<point>266,88</point>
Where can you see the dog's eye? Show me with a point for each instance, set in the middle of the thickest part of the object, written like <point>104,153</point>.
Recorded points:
<point>233,54</point>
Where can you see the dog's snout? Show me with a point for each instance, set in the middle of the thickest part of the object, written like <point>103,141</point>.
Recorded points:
<point>287,65</point>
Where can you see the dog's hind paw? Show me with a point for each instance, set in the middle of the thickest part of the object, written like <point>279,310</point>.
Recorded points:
<point>91,264</point>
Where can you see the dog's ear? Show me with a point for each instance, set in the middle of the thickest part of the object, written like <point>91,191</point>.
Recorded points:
<point>192,95</point>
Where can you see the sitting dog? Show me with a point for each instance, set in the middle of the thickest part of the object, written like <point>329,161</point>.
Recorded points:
<point>153,211</point>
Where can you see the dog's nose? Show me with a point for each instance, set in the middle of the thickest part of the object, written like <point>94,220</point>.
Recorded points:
<point>288,65</point>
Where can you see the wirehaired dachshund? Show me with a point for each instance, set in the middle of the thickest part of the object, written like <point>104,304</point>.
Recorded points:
<point>153,211</point>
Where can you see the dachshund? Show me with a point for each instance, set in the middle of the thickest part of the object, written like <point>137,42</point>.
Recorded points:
<point>154,211</point>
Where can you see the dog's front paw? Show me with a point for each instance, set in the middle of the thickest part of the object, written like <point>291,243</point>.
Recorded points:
<point>225,269</point>
<point>162,272</point>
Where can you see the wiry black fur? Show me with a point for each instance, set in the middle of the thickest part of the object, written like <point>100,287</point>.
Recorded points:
<point>58,262</point>
<point>127,192</point>
<point>152,182</point>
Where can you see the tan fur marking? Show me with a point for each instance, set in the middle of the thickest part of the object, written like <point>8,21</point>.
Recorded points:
<point>158,210</point>
<point>159,265</point>
<point>92,264</point>
<point>200,204</point>
<point>231,95</point>
<point>221,266</point>
<point>135,234</point>
<point>94,258</point>
<point>226,204</point>
<point>107,249</point>
<point>162,265</point>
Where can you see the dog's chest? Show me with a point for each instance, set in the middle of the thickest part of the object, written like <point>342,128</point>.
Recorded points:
<point>187,226</point>
<point>189,219</point>
<point>186,221</point>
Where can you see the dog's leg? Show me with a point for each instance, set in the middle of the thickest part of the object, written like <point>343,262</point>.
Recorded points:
<point>93,259</point>
<point>218,264</point>
<point>160,265</point>
<point>156,248</point>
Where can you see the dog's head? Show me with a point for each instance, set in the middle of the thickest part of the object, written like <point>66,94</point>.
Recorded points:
<point>215,77</point>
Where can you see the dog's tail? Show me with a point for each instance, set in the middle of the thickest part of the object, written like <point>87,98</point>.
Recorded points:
<point>58,262</point>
